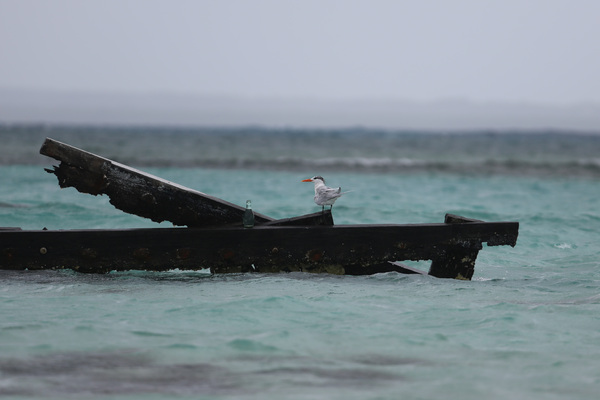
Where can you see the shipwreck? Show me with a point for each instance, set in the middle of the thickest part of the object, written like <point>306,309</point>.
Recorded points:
<point>208,233</point>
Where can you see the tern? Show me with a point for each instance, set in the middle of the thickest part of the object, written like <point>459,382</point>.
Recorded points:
<point>324,195</point>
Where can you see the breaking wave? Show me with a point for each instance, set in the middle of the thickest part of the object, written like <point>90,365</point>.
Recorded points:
<point>366,150</point>
<point>584,168</point>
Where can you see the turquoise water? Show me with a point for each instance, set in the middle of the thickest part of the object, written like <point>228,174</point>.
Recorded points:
<point>526,327</point>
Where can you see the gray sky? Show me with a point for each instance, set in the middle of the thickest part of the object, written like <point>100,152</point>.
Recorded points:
<point>541,51</point>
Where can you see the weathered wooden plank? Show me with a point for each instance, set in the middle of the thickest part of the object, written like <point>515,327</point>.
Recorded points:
<point>456,262</point>
<point>139,193</point>
<point>343,249</point>
<point>458,219</point>
<point>318,218</point>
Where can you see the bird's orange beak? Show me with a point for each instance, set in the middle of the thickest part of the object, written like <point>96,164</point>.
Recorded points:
<point>307,180</point>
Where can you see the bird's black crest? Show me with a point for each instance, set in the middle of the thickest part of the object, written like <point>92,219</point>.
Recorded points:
<point>319,177</point>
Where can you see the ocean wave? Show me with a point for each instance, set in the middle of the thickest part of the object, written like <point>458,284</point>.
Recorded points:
<point>550,153</point>
<point>589,167</point>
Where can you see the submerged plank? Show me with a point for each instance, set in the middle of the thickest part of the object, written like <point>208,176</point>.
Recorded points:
<point>140,193</point>
<point>405,269</point>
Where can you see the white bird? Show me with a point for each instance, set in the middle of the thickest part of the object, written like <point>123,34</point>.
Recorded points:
<point>324,195</point>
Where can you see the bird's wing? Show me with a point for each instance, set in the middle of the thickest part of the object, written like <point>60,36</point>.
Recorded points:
<point>329,192</point>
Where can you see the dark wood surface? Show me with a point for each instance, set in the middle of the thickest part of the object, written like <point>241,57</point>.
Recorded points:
<point>139,193</point>
<point>341,249</point>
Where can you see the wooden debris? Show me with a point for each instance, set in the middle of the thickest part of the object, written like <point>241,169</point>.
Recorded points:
<point>341,249</point>
<point>216,239</point>
<point>139,193</point>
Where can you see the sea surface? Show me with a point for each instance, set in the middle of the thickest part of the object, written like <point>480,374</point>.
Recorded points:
<point>526,327</point>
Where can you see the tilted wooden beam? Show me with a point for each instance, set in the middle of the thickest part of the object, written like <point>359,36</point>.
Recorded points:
<point>139,193</point>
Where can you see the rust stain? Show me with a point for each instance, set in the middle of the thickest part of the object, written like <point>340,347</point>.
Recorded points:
<point>227,254</point>
<point>184,253</point>
<point>8,254</point>
<point>315,255</point>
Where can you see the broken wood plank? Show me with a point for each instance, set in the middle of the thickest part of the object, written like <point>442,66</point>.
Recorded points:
<point>139,193</point>
<point>457,262</point>
<point>318,218</point>
<point>458,219</point>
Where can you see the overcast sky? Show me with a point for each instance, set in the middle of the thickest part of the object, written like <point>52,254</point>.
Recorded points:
<point>541,51</point>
